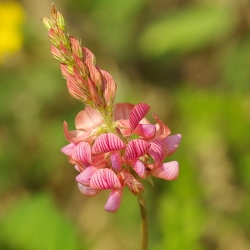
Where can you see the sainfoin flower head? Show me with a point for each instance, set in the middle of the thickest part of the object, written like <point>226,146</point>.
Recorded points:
<point>113,146</point>
<point>121,156</point>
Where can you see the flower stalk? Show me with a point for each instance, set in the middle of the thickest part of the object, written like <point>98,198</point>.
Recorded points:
<point>144,222</point>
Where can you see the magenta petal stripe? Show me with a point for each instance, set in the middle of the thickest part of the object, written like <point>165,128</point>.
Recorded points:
<point>137,114</point>
<point>82,152</point>
<point>114,200</point>
<point>135,149</point>
<point>156,151</point>
<point>106,143</point>
<point>105,179</point>
<point>167,171</point>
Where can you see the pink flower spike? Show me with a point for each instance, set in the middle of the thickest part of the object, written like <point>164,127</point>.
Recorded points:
<point>135,149</point>
<point>87,190</point>
<point>162,129</point>
<point>82,152</point>
<point>85,176</point>
<point>116,161</point>
<point>167,171</point>
<point>105,179</point>
<point>88,118</point>
<point>106,143</point>
<point>171,143</point>
<point>68,149</point>
<point>145,130</point>
<point>139,168</point>
<point>137,114</point>
<point>114,200</point>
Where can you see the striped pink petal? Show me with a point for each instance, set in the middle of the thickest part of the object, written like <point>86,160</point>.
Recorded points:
<point>162,130</point>
<point>171,143</point>
<point>156,151</point>
<point>87,190</point>
<point>68,149</point>
<point>88,118</point>
<point>88,56</point>
<point>106,143</point>
<point>145,130</point>
<point>82,152</point>
<point>105,179</point>
<point>109,87</point>
<point>75,136</point>
<point>139,168</point>
<point>85,176</point>
<point>122,111</point>
<point>135,149</point>
<point>137,114</point>
<point>116,161</point>
<point>114,200</point>
<point>167,171</point>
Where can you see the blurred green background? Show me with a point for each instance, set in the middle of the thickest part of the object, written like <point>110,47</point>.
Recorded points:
<point>189,60</point>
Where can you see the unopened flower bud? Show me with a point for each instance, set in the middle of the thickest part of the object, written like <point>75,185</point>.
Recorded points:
<point>60,21</point>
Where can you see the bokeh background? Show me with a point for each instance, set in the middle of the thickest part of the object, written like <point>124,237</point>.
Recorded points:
<point>189,60</point>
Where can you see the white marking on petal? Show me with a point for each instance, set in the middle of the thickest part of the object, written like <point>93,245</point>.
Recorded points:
<point>87,190</point>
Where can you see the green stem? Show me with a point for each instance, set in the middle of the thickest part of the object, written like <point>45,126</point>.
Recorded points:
<point>144,223</point>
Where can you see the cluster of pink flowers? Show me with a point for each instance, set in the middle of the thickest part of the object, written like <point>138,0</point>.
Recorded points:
<point>112,160</point>
<point>114,145</point>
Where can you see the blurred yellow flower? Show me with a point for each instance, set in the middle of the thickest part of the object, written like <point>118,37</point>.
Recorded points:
<point>11,37</point>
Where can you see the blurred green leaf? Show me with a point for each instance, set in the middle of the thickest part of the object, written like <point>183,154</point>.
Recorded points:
<point>186,30</point>
<point>236,72</point>
<point>36,223</point>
